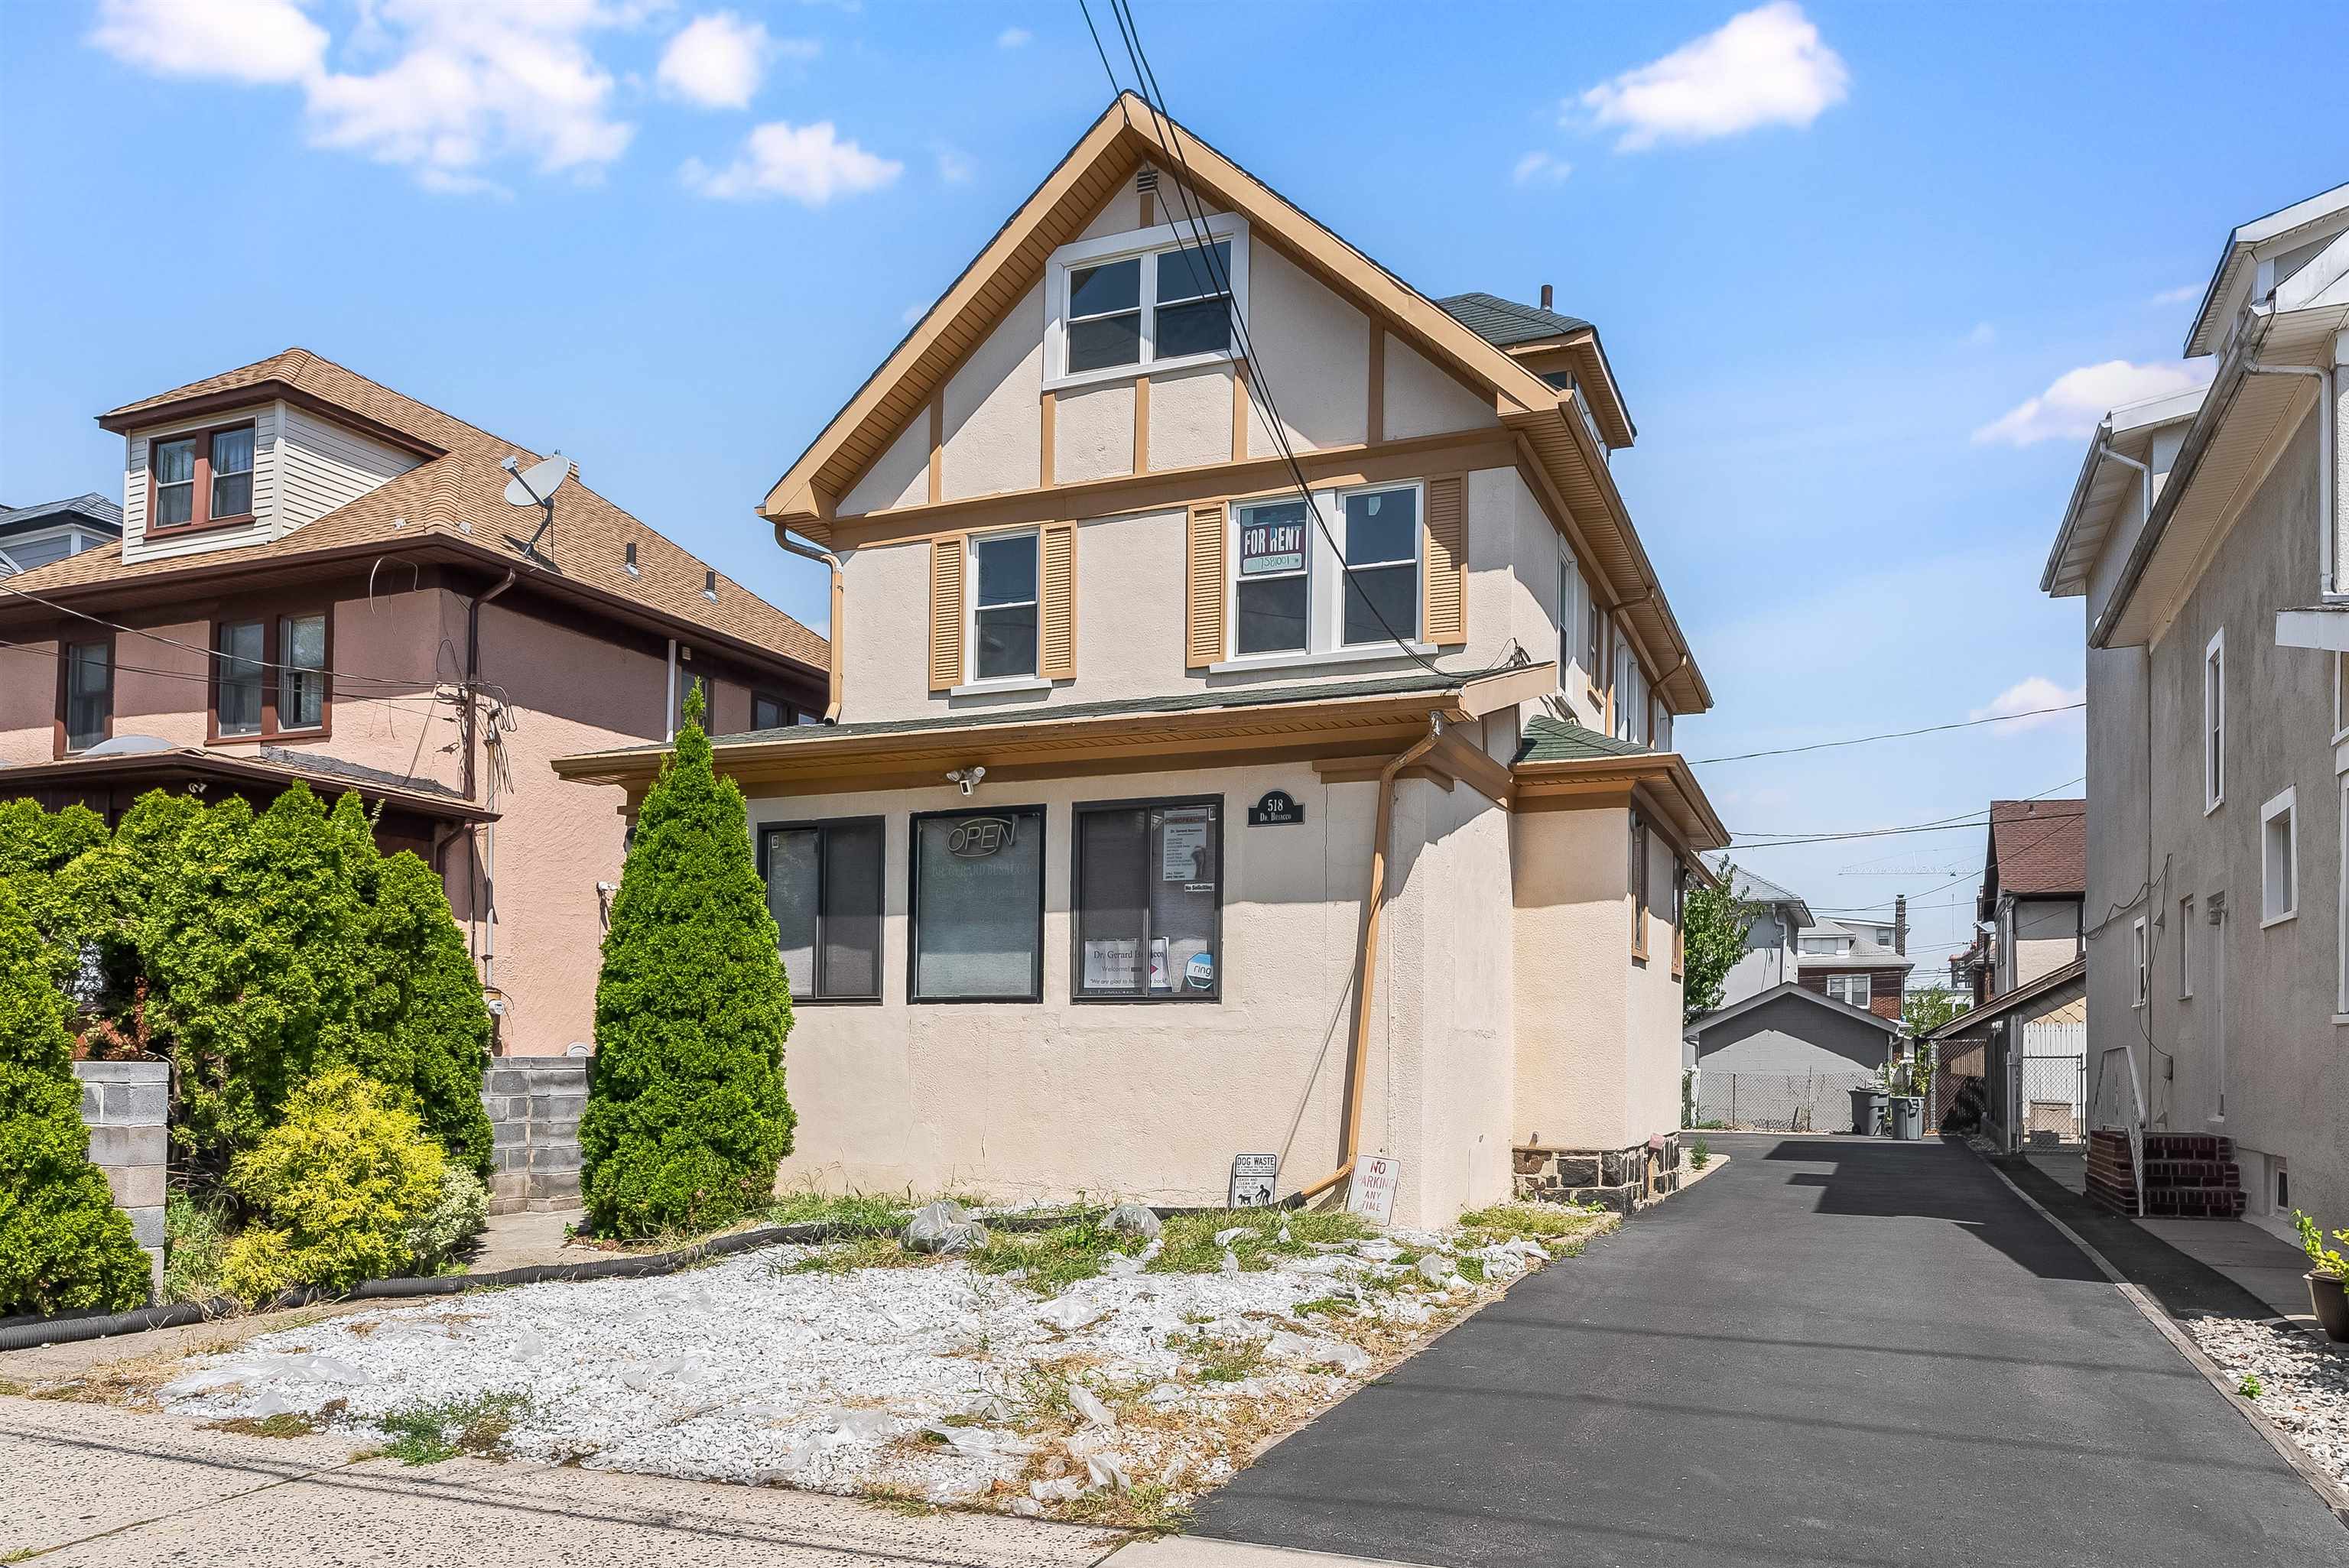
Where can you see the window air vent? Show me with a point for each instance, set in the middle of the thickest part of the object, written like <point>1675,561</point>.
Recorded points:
<point>1147,180</point>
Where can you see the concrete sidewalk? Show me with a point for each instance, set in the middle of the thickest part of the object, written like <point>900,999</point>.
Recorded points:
<point>2262,1263</point>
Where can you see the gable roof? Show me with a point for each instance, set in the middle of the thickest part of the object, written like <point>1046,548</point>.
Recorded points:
<point>1753,889</point>
<point>1784,990</point>
<point>2067,983</point>
<point>455,499</point>
<point>2038,849</point>
<point>1504,323</point>
<point>2309,214</point>
<point>1567,462</point>
<point>91,509</point>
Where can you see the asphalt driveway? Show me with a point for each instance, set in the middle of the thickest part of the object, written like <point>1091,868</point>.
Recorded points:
<point>1832,1351</point>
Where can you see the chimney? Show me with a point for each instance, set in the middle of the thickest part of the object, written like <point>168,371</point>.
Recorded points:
<point>1547,296</point>
<point>1901,923</point>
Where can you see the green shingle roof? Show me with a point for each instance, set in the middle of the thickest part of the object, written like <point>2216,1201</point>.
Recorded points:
<point>1504,322</point>
<point>1548,739</point>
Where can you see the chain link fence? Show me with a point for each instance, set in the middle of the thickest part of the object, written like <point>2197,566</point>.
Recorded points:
<point>1781,1102</point>
<point>2050,1090</point>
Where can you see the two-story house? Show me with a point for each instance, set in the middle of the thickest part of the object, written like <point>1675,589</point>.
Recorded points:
<point>2206,536</point>
<point>34,536</point>
<point>320,579</point>
<point>1232,657</point>
<point>1861,964</point>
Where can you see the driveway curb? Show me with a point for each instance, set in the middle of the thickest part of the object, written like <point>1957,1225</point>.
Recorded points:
<point>2334,1495</point>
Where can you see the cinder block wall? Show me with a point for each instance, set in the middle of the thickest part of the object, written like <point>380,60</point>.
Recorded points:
<point>534,1104</point>
<point>127,1106</point>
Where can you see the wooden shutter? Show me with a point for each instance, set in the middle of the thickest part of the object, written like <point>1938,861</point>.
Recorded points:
<point>1056,658</point>
<point>1444,609</point>
<point>1203,620</point>
<point>946,613</point>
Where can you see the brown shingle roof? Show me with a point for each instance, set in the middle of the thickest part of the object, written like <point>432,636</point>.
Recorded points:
<point>457,496</point>
<point>2038,849</point>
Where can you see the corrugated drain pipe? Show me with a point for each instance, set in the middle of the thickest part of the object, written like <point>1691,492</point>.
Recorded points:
<point>832,631</point>
<point>1366,974</point>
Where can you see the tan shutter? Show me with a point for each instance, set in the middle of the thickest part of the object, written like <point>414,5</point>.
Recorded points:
<point>945,614</point>
<point>1057,656</point>
<point>1203,622</point>
<point>1445,611</point>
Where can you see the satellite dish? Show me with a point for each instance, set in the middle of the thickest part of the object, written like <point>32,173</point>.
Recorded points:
<point>535,485</point>
<point>129,746</point>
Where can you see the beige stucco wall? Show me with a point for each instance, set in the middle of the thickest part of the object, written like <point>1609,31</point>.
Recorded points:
<point>2045,936</point>
<point>1422,400</point>
<point>1093,434</point>
<point>1317,350</point>
<point>1190,418</point>
<point>1571,965</point>
<point>992,439</point>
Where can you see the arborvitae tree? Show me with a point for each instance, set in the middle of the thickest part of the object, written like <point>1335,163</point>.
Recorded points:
<point>428,1038</point>
<point>63,1243</point>
<point>36,848</point>
<point>119,884</point>
<point>686,1117</point>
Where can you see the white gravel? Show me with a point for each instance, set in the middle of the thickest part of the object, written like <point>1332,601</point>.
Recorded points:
<point>934,1380</point>
<point>2304,1381</point>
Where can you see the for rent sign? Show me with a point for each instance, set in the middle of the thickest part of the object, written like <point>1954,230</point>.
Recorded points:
<point>1272,539</point>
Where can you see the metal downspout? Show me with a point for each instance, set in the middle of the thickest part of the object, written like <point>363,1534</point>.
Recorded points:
<point>485,923</point>
<point>1366,977</point>
<point>831,630</point>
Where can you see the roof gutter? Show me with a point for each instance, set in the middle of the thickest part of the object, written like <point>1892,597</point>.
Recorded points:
<point>832,626</point>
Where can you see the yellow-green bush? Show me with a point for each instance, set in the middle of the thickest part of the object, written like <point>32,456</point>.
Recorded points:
<point>336,1189</point>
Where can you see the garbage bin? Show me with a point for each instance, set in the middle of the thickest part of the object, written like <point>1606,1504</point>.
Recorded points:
<point>1908,1116</point>
<point>1867,1111</point>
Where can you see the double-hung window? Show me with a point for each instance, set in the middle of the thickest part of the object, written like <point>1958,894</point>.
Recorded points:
<point>823,888</point>
<point>2214,721</point>
<point>2142,948</point>
<point>1852,989</point>
<point>1155,297</point>
<point>89,681</point>
<point>1148,900</point>
<point>1002,629</point>
<point>978,913</point>
<point>2185,948</point>
<point>1272,586</point>
<point>1382,589</point>
<point>2279,859</point>
<point>1636,871</point>
<point>270,677</point>
<point>771,712</point>
<point>199,479</point>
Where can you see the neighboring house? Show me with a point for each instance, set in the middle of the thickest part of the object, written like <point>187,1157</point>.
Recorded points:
<point>318,578</point>
<point>2206,536</point>
<point>1779,918</point>
<point>1138,739</point>
<point>36,536</point>
<point>1788,1058</point>
<point>2018,1034</point>
<point>1846,962</point>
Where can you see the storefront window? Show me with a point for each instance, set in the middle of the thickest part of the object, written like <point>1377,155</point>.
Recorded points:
<point>978,905</point>
<point>1149,901</point>
<point>823,888</point>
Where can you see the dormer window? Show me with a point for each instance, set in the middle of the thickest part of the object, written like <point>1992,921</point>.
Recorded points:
<point>1151,299</point>
<point>200,479</point>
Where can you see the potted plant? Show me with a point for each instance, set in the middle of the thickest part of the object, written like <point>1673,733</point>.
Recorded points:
<point>2328,1278</point>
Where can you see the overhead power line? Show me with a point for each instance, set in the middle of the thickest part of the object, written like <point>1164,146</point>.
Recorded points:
<point>1893,735</point>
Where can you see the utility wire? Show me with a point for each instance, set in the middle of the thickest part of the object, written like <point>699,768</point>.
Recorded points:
<point>422,705</point>
<point>1895,735</point>
<point>1251,364</point>
<point>1762,841</point>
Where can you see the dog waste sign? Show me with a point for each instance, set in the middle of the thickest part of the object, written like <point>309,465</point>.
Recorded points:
<point>1371,1193</point>
<point>1254,1176</point>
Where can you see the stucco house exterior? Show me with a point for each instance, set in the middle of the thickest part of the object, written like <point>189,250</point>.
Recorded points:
<point>318,578</point>
<point>2206,537</point>
<point>1255,710</point>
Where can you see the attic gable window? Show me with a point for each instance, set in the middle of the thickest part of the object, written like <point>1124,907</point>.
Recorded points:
<point>1152,298</point>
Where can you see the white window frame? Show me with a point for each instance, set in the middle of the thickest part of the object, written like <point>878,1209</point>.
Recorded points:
<point>2214,722</point>
<point>1141,243</point>
<point>1851,982</point>
<point>2185,948</point>
<point>2144,960</point>
<point>972,681</point>
<point>2340,711</point>
<point>1325,576</point>
<point>1571,597</point>
<point>2283,805</point>
<point>2341,922</point>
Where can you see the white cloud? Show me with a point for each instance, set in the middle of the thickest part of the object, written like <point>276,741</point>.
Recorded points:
<point>2185,294</point>
<point>467,82</point>
<point>1762,67</point>
<point>2078,400</point>
<point>719,60</point>
<point>954,165</point>
<point>913,313</point>
<point>1540,169</point>
<point>1013,39</point>
<point>808,163</point>
<point>2031,695</point>
<point>1983,336</point>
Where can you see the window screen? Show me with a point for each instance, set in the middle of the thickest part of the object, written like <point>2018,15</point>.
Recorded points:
<point>1004,613</point>
<point>823,888</point>
<point>1382,566</point>
<point>231,473</point>
<point>1149,901</point>
<point>89,693</point>
<point>239,678</point>
<point>1105,315</point>
<point>978,905</point>
<point>302,684</point>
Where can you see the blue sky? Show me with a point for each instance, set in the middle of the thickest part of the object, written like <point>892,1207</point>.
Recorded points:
<point>1834,251</point>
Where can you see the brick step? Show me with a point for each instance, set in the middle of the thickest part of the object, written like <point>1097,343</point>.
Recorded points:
<point>2185,1146</point>
<point>2194,1202</point>
<point>2192,1173</point>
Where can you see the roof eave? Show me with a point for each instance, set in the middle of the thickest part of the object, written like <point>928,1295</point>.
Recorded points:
<point>134,418</point>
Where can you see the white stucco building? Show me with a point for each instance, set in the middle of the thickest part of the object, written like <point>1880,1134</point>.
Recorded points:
<point>1254,708</point>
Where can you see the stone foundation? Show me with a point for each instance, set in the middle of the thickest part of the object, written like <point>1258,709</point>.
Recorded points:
<point>1617,1179</point>
<point>534,1104</point>
<point>127,1107</point>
